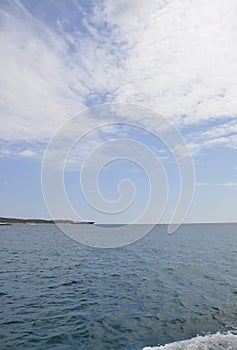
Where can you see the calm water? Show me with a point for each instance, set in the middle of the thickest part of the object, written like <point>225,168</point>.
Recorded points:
<point>58,294</point>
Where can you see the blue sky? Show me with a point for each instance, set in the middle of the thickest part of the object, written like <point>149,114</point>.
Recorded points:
<point>176,57</point>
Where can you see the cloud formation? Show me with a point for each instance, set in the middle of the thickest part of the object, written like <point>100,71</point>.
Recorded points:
<point>176,56</point>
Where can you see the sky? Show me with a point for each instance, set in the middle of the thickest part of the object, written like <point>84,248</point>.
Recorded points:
<point>70,58</point>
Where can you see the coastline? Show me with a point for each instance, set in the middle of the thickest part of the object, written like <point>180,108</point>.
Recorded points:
<point>10,221</point>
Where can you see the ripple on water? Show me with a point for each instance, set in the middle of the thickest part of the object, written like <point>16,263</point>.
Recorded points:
<point>57,294</point>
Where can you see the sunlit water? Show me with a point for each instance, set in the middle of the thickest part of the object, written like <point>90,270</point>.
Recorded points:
<point>165,291</point>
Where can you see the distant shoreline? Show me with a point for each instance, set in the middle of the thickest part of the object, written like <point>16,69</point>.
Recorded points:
<point>10,221</point>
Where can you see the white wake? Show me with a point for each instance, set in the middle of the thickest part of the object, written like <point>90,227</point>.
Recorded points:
<point>216,341</point>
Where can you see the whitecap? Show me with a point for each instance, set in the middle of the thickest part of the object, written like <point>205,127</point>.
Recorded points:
<point>216,341</point>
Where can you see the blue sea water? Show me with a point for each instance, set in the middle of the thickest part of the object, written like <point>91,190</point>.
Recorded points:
<point>165,291</point>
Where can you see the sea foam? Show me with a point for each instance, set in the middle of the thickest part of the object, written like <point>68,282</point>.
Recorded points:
<point>216,341</point>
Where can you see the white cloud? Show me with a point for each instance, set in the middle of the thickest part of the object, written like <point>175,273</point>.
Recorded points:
<point>230,185</point>
<point>43,83</point>
<point>24,150</point>
<point>181,60</point>
<point>183,55</point>
<point>27,153</point>
<point>227,128</point>
<point>178,57</point>
<point>201,184</point>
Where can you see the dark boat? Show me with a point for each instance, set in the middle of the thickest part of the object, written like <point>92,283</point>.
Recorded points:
<point>82,222</point>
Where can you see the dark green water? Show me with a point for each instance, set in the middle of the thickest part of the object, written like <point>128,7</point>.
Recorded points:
<point>58,294</point>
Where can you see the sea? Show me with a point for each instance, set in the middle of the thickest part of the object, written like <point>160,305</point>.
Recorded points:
<point>166,291</point>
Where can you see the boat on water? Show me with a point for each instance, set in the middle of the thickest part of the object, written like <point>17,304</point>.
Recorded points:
<point>83,222</point>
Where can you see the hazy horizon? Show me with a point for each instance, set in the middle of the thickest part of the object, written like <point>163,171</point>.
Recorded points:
<point>173,59</point>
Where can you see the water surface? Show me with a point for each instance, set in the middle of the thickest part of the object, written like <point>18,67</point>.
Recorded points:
<point>58,294</point>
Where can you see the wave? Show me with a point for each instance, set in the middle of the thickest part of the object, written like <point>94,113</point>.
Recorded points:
<point>218,341</point>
